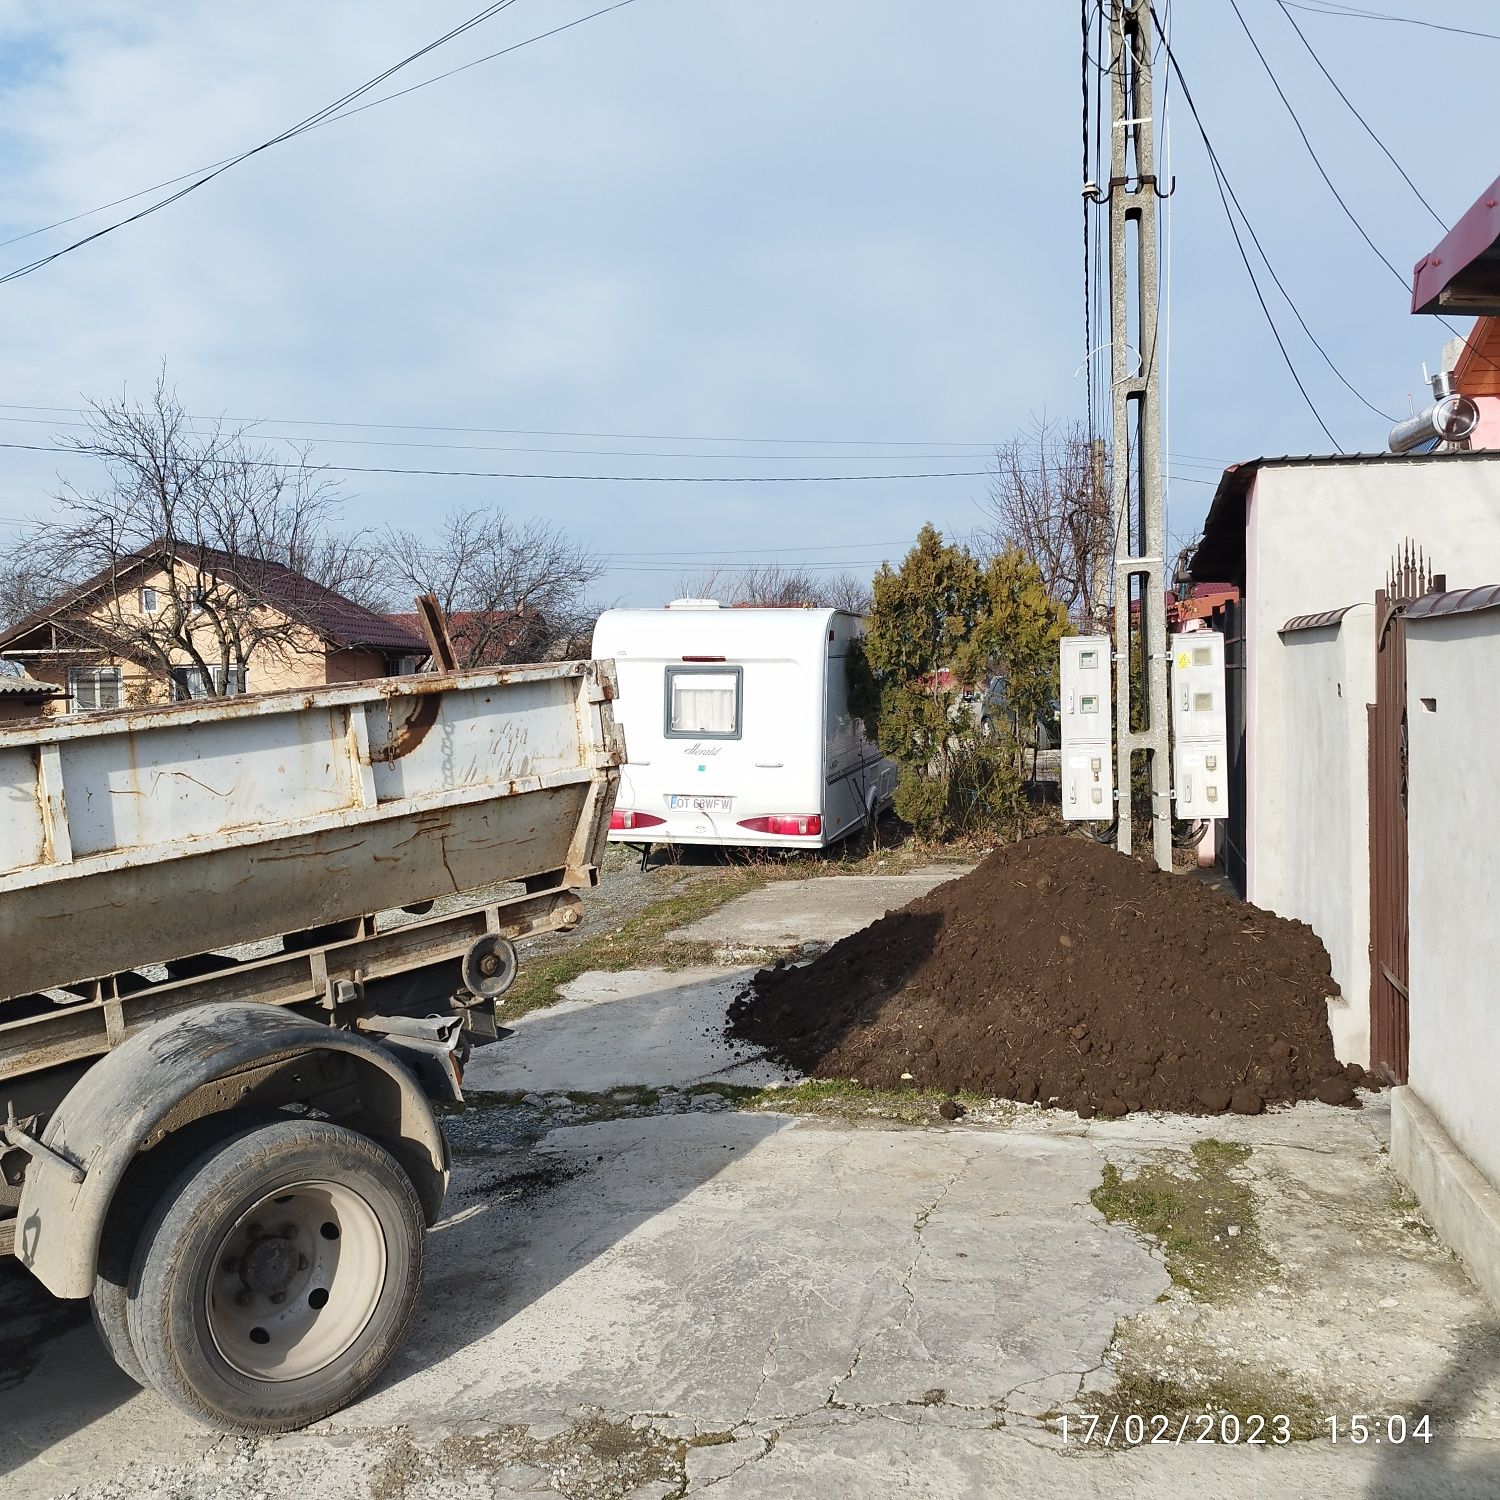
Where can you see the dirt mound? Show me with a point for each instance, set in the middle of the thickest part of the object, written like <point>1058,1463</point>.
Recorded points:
<point>1062,972</point>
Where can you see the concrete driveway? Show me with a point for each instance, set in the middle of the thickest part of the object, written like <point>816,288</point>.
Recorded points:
<point>647,1284</point>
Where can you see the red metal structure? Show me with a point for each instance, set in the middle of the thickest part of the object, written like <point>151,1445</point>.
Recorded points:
<point>1462,275</point>
<point>1410,577</point>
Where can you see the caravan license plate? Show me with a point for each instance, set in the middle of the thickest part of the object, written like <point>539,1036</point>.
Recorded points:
<point>701,804</point>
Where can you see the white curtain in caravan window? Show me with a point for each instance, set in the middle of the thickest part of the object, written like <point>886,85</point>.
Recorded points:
<point>704,702</point>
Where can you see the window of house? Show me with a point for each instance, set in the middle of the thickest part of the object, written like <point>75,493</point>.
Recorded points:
<point>704,702</point>
<point>192,682</point>
<point>189,682</point>
<point>149,602</point>
<point>94,688</point>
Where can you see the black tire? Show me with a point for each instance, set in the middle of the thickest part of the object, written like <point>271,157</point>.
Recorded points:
<point>109,1306</point>
<point>181,1314</point>
<point>128,1215</point>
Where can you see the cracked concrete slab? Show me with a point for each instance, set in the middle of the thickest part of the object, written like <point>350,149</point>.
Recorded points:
<point>672,1271</point>
<point>825,909</point>
<point>759,1303</point>
<point>777,1305</point>
<point>858,1455</point>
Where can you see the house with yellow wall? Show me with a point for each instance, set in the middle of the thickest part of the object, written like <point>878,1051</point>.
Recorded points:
<point>177,621</point>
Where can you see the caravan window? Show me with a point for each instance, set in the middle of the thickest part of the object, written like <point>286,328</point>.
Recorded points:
<point>704,702</point>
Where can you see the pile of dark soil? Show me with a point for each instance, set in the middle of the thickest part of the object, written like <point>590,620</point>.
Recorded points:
<point>1064,973</point>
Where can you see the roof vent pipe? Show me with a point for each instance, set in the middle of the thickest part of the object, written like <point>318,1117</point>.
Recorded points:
<point>1450,419</point>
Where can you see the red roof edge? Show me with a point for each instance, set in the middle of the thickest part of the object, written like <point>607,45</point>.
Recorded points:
<point>1473,236</point>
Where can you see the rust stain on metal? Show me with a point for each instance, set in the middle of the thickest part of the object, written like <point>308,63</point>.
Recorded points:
<point>266,859</point>
<point>185,776</point>
<point>421,686</point>
<point>423,716</point>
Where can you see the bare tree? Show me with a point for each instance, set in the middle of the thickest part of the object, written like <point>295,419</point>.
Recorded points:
<point>777,584</point>
<point>1049,496</point>
<point>23,587</point>
<point>205,520</point>
<point>513,591</point>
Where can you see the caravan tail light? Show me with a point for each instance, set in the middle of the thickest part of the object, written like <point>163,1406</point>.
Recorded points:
<point>618,819</point>
<point>797,825</point>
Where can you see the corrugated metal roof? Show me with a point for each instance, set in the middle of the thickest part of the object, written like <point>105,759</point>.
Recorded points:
<point>1220,556</point>
<point>22,686</point>
<point>1454,602</point>
<point>1319,621</point>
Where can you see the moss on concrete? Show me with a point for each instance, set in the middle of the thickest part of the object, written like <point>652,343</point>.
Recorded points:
<point>637,943</point>
<point>841,1099</point>
<point>1230,1408</point>
<point>1203,1217</point>
<point>594,1458</point>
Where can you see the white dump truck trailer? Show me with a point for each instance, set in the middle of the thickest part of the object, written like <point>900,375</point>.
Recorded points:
<point>227,1003</point>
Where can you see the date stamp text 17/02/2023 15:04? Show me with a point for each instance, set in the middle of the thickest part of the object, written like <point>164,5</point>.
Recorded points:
<point>1255,1430</point>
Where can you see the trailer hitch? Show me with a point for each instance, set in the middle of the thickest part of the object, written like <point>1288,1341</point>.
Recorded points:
<point>15,1135</point>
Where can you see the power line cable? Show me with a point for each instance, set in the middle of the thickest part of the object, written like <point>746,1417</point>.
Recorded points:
<point>1221,182</point>
<point>1227,186</point>
<point>1350,12</point>
<point>988,444</point>
<point>721,552</point>
<point>1164,272</point>
<point>1369,130</point>
<point>266,463</point>
<point>1339,198</point>
<point>332,119</point>
<point>337,108</point>
<point>1316,160</point>
<point>636,437</point>
<point>1088,310</point>
<point>317,117</point>
<point>1190,460</point>
<point>1103,389</point>
<point>763,458</point>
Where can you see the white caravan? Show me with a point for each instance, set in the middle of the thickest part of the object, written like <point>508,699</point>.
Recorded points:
<point>738,728</point>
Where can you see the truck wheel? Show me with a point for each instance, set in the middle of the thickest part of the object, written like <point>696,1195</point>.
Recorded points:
<point>277,1276</point>
<point>109,1306</point>
<point>128,1215</point>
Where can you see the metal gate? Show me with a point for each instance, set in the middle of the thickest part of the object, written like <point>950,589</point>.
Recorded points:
<point>1410,577</point>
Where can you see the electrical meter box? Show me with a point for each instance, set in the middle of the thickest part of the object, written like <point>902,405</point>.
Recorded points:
<point>1200,747</point>
<point>1088,757</point>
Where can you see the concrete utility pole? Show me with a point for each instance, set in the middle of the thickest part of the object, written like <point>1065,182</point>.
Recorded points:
<point>1137,508</point>
<point>1100,562</point>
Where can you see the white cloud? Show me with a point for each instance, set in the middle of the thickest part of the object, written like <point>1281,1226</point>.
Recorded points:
<point>749,217</point>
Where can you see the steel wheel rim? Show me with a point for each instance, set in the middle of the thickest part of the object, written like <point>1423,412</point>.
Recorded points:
<point>295,1281</point>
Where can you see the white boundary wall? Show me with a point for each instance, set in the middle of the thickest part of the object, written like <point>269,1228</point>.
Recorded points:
<point>1320,537</point>
<point>1330,677</point>
<point>1453,835</point>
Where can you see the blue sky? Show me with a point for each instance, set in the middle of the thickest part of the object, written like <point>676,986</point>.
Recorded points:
<point>797,219</point>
